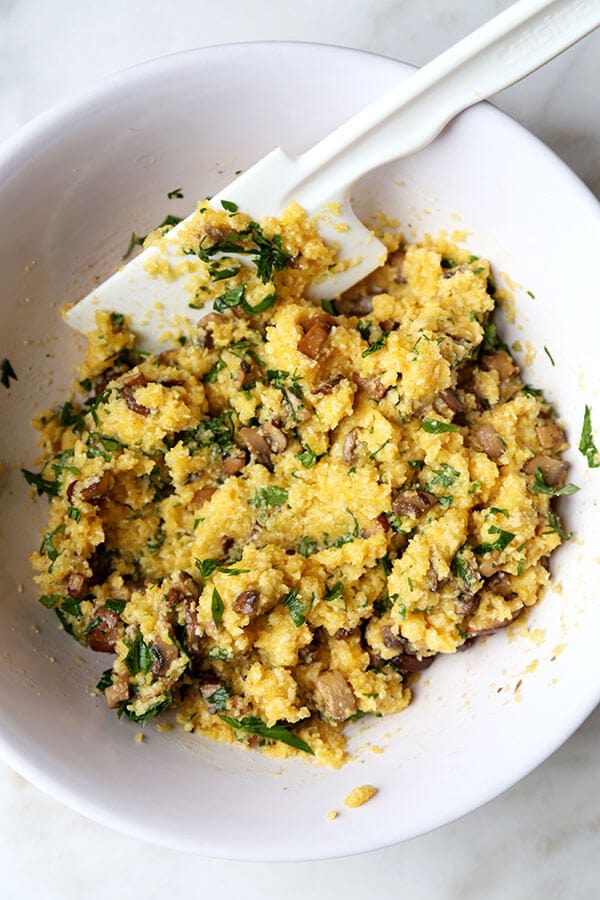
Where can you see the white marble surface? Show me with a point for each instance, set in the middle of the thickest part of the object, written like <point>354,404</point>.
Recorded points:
<point>542,838</point>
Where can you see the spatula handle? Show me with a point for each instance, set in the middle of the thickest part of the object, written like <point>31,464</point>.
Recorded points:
<point>501,52</point>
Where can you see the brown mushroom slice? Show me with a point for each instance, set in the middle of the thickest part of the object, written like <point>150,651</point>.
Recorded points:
<point>274,436</point>
<point>500,583</point>
<point>379,524</point>
<point>164,654</point>
<point>257,445</point>
<point>218,232</point>
<point>77,585</point>
<point>233,465</point>
<point>391,640</point>
<point>246,603</point>
<point>202,496</point>
<point>316,331</point>
<point>501,363</point>
<point>327,386</point>
<point>450,398</point>
<point>358,305</point>
<point>553,470</point>
<point>487,567</point>
<point>205,338</point>
<point>372,386</point>
<point>413,503</point>
<point>407,662</point>
<point>467,604</point>
<point>492,626</point>
<point>103,637</point>
<point>550,436</point>
<point>350,445</point>
<point>127,393</point>
<point>336,694</point>
<point>343,634</point>
<point>489,441</point>
<point>95,487</point>
<point>116,693</point>
<point>396,261</point>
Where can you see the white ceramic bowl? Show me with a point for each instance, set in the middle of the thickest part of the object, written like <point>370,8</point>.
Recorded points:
<point>73,185</point>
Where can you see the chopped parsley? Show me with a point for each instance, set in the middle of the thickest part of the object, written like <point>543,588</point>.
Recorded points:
<point>7,372</point>
<point>218,699</point>
<point>254,725</point>
<point>229,206</point>
<point>335,592</point>
<point>41,484</point>
<point>445,476</point>
<point>549,355</point>
<point>376,345</point>
<point>307,458</point>
<point>461,568</point>
<point>434,426</point>
<point>139,655</point>
<point>502,541</point>
<point>154,710</point>
<point>269,254</point>
<point>586,442</point>
<point>115,605</point>
<point>296,607</point>
<point>219,653</point>
<point>556,527</point>
<point>540,486</point>
<point>307,546</point>
<point>217,607</point>
<point>175,194</point>
<point>268,497</point>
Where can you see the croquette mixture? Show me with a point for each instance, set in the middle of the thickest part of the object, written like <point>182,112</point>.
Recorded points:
<point>272,524</point>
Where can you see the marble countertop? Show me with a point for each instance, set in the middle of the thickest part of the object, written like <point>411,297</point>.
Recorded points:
<point>542,838</point>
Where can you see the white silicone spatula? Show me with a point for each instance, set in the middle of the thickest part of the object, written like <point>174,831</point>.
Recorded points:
<point>510,46</point>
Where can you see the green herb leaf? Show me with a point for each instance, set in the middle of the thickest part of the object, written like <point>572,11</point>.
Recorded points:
<point>556,527</point>
<point>502,541</point>
<point>376,345</point>
<point>41,484</point>
<point>296,607</point>
<point>540,486</point>
<point>139,656</point>
<point>232,297</point>
<point>253,725</point>
<point>307,546</point>
<point>434,426</point>
<point>445,476</point>
<point>217,607</point>
<point>229,206</point>
<point>115,605</point>
<point>586,441</point>
<point>307,458</point>
<point>549,355</point>
<point>7,372</point>
<point>219,653</point>
<point>105,681</point>
<point>335,592</point>
<point>329,307</point>
<point>154,710</point>
<point>446,501</point>
<point>48,544</point>
<point>74,513</point>
<point>461,568</point>
<point>268,497</point>
<point>49,600</point>
<point>175,194</point>
<point>218,699</point>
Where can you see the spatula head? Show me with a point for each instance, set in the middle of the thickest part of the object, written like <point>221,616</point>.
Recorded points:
<point>158,306</point>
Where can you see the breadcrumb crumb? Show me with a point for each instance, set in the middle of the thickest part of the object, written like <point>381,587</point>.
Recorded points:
<point>360,795</point>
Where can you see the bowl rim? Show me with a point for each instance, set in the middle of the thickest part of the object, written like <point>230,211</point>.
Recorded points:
<point>13,153</point>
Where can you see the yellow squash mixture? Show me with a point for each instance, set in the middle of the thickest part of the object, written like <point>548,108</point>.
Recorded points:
<point>278,519</point>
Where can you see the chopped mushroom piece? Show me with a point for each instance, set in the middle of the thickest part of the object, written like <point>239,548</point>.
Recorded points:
<point>413,503</point>
<point>246,603</point>
<point>396,260</point>
<point>492,626</point>
<point>372,386</point>
<point>501,363</point>
<point>467,604</point>
<point>489,441</point>
<point>316,332</point>
<point>391,640</point>
<point>327,386</point>
<point>106,633</point>
<point>257,445</point>
<point>127,393</point>
<point>336,694</point>
<point>379,524</point>
<point>76,585</point>
<point>232,465</point>
<point>550,436</point>
<point>203,495</point>
<point>553,470</point>
<point>350,445</point>
<point>407,662</point>
<point>359,305</point>
<point>274,437</point>
<point>164,654</point>
<point>117,693</point>
<point>91,489</point>
<point>500,583</point>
